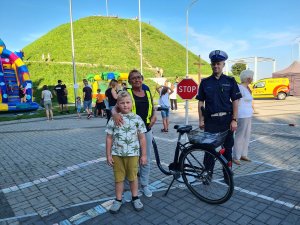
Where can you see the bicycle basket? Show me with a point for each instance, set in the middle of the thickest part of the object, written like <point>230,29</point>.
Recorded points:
<point>206,139</point>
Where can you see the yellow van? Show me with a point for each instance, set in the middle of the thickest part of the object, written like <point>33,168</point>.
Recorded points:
<point>271,88</point>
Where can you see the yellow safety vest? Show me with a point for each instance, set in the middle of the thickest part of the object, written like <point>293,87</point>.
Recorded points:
<point>149,101</point>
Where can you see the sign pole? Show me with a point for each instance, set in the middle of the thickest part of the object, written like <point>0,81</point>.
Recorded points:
<point>187,67</point>
<point>187,57</point>
<point>73,56</point>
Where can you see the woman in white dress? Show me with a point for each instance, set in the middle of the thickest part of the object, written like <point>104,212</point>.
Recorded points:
<point>245,112</point>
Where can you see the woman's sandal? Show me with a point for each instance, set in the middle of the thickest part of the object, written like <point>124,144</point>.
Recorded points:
<point>163,130</point>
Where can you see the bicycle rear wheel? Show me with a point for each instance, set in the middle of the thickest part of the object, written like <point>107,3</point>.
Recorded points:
<point>213,181</point>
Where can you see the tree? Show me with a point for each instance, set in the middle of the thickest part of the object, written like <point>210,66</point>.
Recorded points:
<point>237,68</point>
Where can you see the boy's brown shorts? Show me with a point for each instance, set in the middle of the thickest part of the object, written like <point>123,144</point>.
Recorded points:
<point>125,166</point>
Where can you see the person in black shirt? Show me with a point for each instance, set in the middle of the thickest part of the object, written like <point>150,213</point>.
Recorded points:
<point>111,94</point>
<point>221,94</point>
<point>60,90</point>
<point>87,99</point>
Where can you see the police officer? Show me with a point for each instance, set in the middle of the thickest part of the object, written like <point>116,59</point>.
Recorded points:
<point>220,94</point>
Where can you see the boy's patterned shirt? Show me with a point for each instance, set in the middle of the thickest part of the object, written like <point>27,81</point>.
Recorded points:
<point>125,137</point>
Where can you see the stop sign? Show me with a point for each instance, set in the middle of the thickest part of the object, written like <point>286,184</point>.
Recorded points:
<point>187,88</point>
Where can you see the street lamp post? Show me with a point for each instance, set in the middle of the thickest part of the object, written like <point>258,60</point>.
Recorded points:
<point>106,8</point>
<point>141,47</point>
<point>73,55</point>
<point>199,64</point>
<point>187,57</point>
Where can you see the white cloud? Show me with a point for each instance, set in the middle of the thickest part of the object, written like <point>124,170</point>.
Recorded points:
<point>277,39</point>
<point>201,43</point>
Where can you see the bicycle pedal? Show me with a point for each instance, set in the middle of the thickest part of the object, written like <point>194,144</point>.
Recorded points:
<point>173,166</point>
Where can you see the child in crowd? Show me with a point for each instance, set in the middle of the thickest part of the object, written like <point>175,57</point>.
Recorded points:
<point>10,86</point>
<point>124,86</point>
<point>100,106</point>
<point>78,106</point>
<point>123,146</point>
<point>22,93</point>
<point>164,92</point>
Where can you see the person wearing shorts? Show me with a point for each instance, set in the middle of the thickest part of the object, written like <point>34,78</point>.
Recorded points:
<point>78,106</point>
<point>165,113</point>
<point>164,92</point>
<point>100,106</point>
<point>60,90</point>
<point>123,146</point>
<point>47,96</point>
<point>87,99</point>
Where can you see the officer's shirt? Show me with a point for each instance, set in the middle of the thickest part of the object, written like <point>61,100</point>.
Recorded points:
<point>218,94</point>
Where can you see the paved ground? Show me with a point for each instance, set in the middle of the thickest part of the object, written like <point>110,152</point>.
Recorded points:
<point>53,172</point>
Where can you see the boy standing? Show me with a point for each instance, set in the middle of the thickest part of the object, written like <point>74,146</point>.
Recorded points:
<point>100,106</point>
<point>123,146</point>
<point>78,107</point>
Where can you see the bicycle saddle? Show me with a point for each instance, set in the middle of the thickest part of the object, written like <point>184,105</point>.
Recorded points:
<point>183,128</point>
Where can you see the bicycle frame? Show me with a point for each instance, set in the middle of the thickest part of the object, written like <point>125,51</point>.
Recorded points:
<point>173,165</point>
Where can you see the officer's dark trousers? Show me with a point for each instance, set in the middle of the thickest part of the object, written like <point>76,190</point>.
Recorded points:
<point>216,125</point>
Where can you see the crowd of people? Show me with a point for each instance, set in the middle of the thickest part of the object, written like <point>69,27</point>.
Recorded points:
<point>130,114</point>
<point>228,108</point>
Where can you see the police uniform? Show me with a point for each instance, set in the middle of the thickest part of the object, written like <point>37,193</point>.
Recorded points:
<point>218,95</point>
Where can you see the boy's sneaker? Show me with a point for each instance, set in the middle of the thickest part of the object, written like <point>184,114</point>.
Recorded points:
<point>147,191</point>
<point>115,207</point>
<point>127,196</point>
<point>137,205</point>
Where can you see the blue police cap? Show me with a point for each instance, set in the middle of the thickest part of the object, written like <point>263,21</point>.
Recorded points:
<point>218,56</point>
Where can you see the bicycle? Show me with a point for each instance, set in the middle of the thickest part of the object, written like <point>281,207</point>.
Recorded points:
<point>204,170</point>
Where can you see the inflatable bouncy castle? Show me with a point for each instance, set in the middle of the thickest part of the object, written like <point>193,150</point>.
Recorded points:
<point>14,76</point>
<point>101,81</point>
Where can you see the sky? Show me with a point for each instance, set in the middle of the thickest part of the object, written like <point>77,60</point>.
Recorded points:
<point>262,28</point>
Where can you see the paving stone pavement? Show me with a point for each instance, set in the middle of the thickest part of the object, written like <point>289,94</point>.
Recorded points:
<point>53,172</point>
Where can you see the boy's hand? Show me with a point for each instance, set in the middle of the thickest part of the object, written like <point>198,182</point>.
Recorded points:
<point>143,160</point>
<point>109,160</point>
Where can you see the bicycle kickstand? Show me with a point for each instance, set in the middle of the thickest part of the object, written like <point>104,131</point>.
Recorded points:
<point>165,194</point>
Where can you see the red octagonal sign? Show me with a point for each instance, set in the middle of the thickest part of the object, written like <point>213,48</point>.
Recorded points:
<point>187,89</point>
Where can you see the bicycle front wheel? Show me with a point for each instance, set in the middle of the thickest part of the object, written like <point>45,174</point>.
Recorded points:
<point>207,176</point>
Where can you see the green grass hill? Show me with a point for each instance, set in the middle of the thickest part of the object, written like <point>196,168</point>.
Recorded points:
<point>105,44</point>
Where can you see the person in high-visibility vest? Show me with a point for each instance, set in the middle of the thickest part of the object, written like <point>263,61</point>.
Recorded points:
<point>142,105</point>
